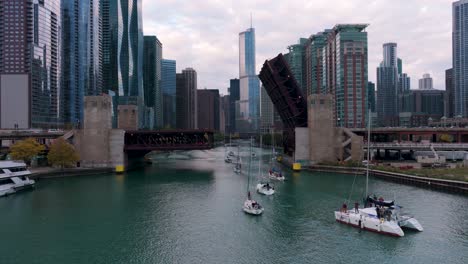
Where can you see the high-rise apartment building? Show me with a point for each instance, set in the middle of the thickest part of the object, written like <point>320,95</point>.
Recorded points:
<point>449,94</point>
<point>459,51</point>
<point>426,82</point>
<point>315,63</point>
<point>295,60</point>
<point>153,96</point>
<point>30,64</point>
<point>346,73</point>
<point>387,87</point>
<point>186,99</point>
<point>168,87</point>
<point>208,109</point>
<point>404,83</point>
<point>234,96</point>
<point>81,56</point>
<point>249,102</point>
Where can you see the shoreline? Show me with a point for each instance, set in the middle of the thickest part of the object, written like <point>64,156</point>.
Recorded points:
<point>426,182</point>
<point>50,173</point>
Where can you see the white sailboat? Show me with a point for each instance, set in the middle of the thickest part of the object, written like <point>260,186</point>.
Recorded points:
<point>381,216</point>
<point>273,173</point>
<point>251,206</point>
<point>228,156</point>
<point>263,187</point>
<point>238,164</point>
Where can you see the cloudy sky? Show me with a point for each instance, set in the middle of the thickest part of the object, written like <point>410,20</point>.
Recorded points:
<point>203,34</point>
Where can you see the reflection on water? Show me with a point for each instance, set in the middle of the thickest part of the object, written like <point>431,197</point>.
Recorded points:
<point>186,208</point>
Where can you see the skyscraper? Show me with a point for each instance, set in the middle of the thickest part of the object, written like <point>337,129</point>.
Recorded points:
<point>249,110</point>
<point>81,56</point>
<point>295,60</point>
<point>314,63</point>
<point>426,82</point>
<point>449,94</point>
<point>152,78</point>
<point>387,87</point>
<point>371,96</point>
<point>168,87</point>
<point>346,73</point>
<point>186,99</point>
<point>404,83</point>
<point>459,50</point>
<point>208,109</point>
<point>30,63</point>
<point>123,51</point>
<point>234,96</point>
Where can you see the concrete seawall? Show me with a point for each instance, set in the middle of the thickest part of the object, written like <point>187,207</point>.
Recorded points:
<point>433,183</point>
<point>45,173</point>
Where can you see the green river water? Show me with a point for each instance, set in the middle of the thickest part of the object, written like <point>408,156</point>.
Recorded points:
<point>186,208</point>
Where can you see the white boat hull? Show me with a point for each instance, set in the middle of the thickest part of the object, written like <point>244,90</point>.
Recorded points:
<point>263,190</point>
<point>411,223</point>
<point>368,222</point>
<point>275,176</point>
<point>17,186</point>
<point>250,208</point>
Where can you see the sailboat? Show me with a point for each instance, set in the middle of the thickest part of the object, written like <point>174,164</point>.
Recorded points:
<point>263,187</point>
<point>251,206</point>
<point>238,165</point>
<point>273,173</point>
<point>378,216</point>
<point>228,156</point>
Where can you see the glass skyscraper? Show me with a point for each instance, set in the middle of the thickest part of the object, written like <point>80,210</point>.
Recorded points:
<point>460,52</point>
<point>122,29</point>
<point>30,63</point>
<point>81,56</point>
<point>152,78</point>
<point>387,87</point>
<point>168,87</point>
<point>295,61</point>
<point>249,103</point>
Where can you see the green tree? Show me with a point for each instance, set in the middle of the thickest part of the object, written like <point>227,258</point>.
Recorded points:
<point>26,150</point>
<point>62,154</point>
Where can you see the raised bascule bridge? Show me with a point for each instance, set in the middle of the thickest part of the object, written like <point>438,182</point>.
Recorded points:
<point>287,97</point>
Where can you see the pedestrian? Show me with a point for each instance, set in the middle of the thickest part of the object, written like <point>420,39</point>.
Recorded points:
<point>356,207</point>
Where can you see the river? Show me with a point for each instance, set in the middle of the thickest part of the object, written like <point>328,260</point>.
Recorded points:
<point>186,208</point>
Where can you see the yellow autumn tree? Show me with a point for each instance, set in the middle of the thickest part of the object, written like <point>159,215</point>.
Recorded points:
<point>62,154</point>
<point>26,150</point>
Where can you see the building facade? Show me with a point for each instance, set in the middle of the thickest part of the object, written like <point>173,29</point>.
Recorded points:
<point>122,38</point>
<point>186,99</point>
<point>295,60</point>
<point>315,63</point>
<point>234,96</point>
<point>459,51</point>
<point>81,56</point>
<point>208,109</point>
<point>426,82</point>
<point>153,96</point>
<point>346,73</point>
<point>168,87</point>
<point>249,102</point>
<point>30,64</point>
<point>404,83</point>
<point>449,94</point>
<point>387,87</point>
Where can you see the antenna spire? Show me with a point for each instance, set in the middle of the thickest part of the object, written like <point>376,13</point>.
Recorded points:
<point>251,24</point>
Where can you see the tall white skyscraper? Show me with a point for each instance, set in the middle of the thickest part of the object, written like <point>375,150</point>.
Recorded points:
<point>248,111</point>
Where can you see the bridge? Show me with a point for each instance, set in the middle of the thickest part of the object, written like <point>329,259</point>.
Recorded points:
<point>101,145</point>
<point>399,134</point>
<point>167,140</point>
<point>419,146</point>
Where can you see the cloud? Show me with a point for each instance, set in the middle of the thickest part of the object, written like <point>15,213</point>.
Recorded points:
<point>204,34</point>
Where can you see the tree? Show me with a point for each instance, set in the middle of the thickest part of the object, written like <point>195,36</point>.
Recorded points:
<point>26,150</point>
<point>62,154</point>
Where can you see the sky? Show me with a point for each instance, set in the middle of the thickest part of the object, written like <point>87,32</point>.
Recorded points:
<point>204,34</point>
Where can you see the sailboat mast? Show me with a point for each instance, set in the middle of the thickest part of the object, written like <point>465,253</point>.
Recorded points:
<point>250,165</point>
<point>368,152</point>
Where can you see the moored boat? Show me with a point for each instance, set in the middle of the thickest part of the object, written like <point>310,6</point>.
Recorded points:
<point>14,177</point>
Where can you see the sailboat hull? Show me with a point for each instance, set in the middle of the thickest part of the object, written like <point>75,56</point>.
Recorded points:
<point>263,190</point>
<point>369,223</point>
